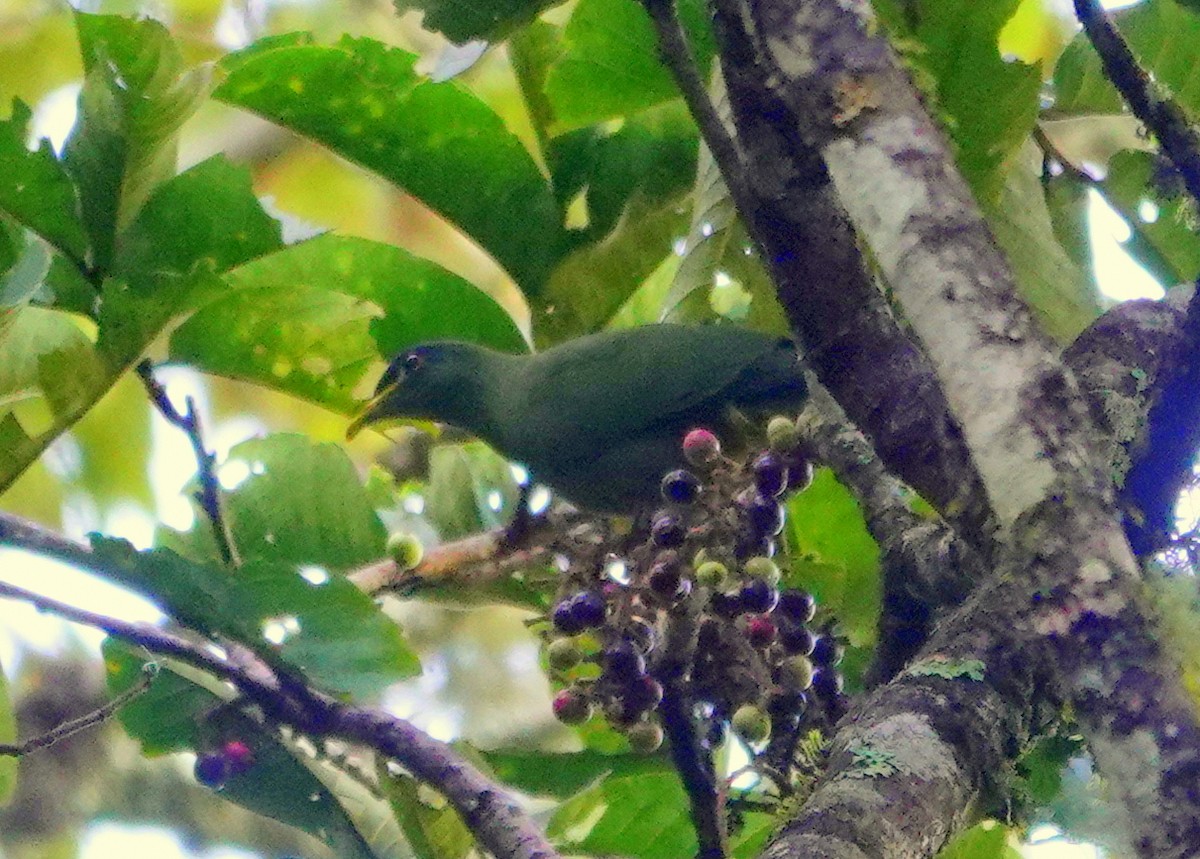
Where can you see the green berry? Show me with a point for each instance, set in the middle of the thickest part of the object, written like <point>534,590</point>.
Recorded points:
<point>563,654</point>
<point>712,574</point>
<point>405,550</point>
<point>751,723</point>
<point>796,672</point>
<point>762,568</point>
<point>782,435</point>
<point>644,737</point>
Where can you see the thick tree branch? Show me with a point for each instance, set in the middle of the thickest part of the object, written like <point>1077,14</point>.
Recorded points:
<point>824,282</point>
<point>1028,430</point>
<point>1174,426</point>
<point>487,809</point>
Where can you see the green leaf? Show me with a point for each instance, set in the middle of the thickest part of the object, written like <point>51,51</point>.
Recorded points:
<point>307,319</point>
<point>301,503</point>
<point>1063,297</point>
<point>34,188</point>
<point>610,64</point>
<point>1041,766</point>
<point>561,775</point>
<point>1163,37</point>
<point>180,713</point>
<point>431,826</point>
<point>831,554</point>
<point>167,716</point>
<point>988,104</point>
<point>482,19</point>
<point>464,482</point>
<point>202,222</point>
<point>8,734</point>
<point>136,95</point>
<point>1171,235</point>
<point>322,625</point>
<point>644,815</point>
<point>437,141</point>
<point>990,839</point>
<point>44,355</point>
<point>25,278</point>
<point>635,181</point>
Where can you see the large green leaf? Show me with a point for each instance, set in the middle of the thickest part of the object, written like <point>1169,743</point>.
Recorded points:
<point>302,503</point>
<point>471,489</point>
<point>482,19</point>
<point>315,318</point>
<point>196,225</point>
<point>311,619</point>
<point>988,104</point>
<point>180,712</point>
<point>610,64</point>
<point>1163,37</point>
<point>431,826</point>
<point>633,181</point>
<point>136,94</point>
<point>34,188</point>
<point>644,815</point>
<point>1062,296</point>
<point>832,554</point>
<point>366,102</point>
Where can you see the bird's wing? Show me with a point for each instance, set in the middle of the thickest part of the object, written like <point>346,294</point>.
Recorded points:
<point>620,385</point>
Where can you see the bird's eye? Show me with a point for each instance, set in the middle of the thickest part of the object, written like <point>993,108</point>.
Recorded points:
<point>413,362</point>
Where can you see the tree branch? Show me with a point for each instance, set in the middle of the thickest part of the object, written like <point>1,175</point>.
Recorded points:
<point>1028,430</point>
<point>825,285</point>
<point>487,809</point>
<point>209,495</point>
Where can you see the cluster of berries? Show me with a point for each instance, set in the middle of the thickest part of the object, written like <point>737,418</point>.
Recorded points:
<point>215,768</point>
<point>699,601</point>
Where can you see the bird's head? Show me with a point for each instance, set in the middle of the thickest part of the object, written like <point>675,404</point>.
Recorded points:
<point>441,381</point>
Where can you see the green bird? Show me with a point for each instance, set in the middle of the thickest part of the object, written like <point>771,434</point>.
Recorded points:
<point>599,419</point>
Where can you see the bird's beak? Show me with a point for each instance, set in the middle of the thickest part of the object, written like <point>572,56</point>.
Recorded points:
<point>371,412</point>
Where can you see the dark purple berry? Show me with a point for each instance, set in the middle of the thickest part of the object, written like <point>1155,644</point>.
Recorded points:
<point>714,734</point>
<point>564,618</point>
<point>786,704</point>
<point>770,474</point>
<point>760,631</point>
<point>643,694</point>
<point>667,531</point>
<point>750,545</point>
<point>664,580</point>
<point>588,607</point>
<point>827,651</point>
<point>827,682</point>
<point>641,636</point>
<point>795,639</point>
<point>799,474</point>
<point>238,755</point>
<point>623,662</point>
<point>680,487</point>
<point>797,605</point>
<point>757,597</point>
<point>668,558</point>
<point>571,707</point>
<point>765,516</point>
<point>212,769</point>
<point>725,605</point>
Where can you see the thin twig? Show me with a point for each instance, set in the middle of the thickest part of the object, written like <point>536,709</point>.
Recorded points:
<point>677,54</point>
<point>1160,114</point>
<point>73,726</point>
<point>209,494</point>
